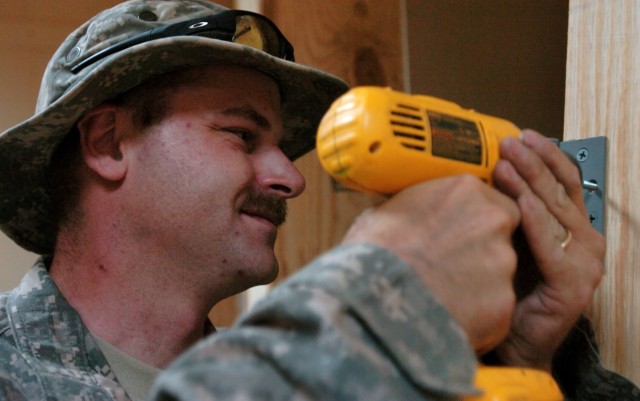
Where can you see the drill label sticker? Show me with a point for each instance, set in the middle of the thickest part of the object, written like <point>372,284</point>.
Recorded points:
<point>455,138</point>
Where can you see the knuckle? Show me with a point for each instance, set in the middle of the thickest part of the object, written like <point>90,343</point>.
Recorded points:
<point>467,183</point>
<point>507,305</point>
<point>504,258</point>
<point>561,198</point>
<point>513,259</point>
<point>501,218</point>
<point>573,173</point>
<point>597,268</point>
<point>600,245</point>
<point>535,168</point>
<point>511,262</point>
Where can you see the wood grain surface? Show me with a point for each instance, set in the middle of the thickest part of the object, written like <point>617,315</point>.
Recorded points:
<point>603,98</point>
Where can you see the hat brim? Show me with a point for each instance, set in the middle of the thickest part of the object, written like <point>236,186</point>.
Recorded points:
<point>25,207</point>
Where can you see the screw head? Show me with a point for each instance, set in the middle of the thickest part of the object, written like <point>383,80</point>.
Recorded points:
<point>582,154</point>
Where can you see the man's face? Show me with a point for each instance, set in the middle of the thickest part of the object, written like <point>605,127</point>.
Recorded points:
<point>208,183</point>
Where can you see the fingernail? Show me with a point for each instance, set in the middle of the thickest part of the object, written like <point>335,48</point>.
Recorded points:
<point>528,138</point>
<point>506,144</point>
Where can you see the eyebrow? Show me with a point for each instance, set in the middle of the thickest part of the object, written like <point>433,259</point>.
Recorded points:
<point>250,114</point>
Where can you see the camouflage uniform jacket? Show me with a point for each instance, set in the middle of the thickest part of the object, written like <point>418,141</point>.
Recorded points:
<point>46,352</point>
<point>356,324</point>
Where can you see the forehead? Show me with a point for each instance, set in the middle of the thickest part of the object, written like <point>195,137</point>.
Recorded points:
<point>228,91</point>
<point>216,87</point>
<point>226,77</point>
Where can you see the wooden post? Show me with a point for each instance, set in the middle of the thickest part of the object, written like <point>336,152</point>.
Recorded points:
<point>603,98</point>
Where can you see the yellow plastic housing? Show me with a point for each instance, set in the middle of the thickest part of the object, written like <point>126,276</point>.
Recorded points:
<point>515,384</point>
<point>378,140</point>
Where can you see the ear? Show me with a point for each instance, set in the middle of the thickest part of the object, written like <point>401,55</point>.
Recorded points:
<point>100,142</point>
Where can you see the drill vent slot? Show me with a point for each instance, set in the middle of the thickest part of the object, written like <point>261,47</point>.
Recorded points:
<point>408,107</point>
<point>406,115</point>
<point>412,146</point>
<point>408,126</point>
<point>409,135</point>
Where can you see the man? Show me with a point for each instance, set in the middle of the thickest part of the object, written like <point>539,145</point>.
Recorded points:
<point>152,179</point>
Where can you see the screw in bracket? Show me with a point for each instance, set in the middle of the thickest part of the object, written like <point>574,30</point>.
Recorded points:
<point>582,155</point>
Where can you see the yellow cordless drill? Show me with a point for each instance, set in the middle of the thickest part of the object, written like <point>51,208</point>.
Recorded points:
<point>378,140</point>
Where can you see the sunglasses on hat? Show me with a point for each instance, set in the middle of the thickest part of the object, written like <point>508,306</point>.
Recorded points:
<point>237,26</point>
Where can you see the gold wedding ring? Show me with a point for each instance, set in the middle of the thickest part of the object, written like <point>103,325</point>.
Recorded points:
<point>567,240</point>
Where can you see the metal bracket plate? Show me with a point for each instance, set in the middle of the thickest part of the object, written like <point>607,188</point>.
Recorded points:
<point>591,156</point>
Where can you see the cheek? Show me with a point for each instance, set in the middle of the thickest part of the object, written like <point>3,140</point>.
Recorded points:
<point>225,164</point>
<point>212,178</point>
<point>192,163</point>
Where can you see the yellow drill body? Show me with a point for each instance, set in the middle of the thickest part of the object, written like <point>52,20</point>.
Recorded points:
<point>378,140</point>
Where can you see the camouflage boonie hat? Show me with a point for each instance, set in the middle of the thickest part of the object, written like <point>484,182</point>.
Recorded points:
<point>25,150</point>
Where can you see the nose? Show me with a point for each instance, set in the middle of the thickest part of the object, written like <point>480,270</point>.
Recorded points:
<point>275,172</point>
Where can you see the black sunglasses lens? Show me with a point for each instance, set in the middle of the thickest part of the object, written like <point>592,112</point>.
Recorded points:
<point>244,28</point>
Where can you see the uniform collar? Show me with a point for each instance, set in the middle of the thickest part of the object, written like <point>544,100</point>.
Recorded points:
<point>51,334</point>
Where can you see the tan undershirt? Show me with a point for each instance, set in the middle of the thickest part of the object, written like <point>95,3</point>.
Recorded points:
<point>136,377</point>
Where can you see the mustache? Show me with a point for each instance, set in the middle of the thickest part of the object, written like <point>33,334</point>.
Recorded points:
<point>268,206</point>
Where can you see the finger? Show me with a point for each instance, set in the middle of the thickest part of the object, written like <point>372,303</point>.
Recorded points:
<point>543,230</point>
<point>466,185</point>
<point>545,237</point>
<point>545,234</point>
<point>561,166</point>
<point>542,182</point>
<point>567,281</point>
<point>571,272</point>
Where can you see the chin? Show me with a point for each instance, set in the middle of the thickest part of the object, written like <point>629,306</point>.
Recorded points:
<point>272,274</point>
<point>259,272</point>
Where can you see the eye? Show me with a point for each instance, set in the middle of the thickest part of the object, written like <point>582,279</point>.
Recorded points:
<point>248,137</point>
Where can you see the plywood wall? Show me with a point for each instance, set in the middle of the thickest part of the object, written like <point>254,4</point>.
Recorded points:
<point>603,98</point>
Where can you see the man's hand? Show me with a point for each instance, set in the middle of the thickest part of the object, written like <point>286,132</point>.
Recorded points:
<point>456,234</point>
<point>566,250</point>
